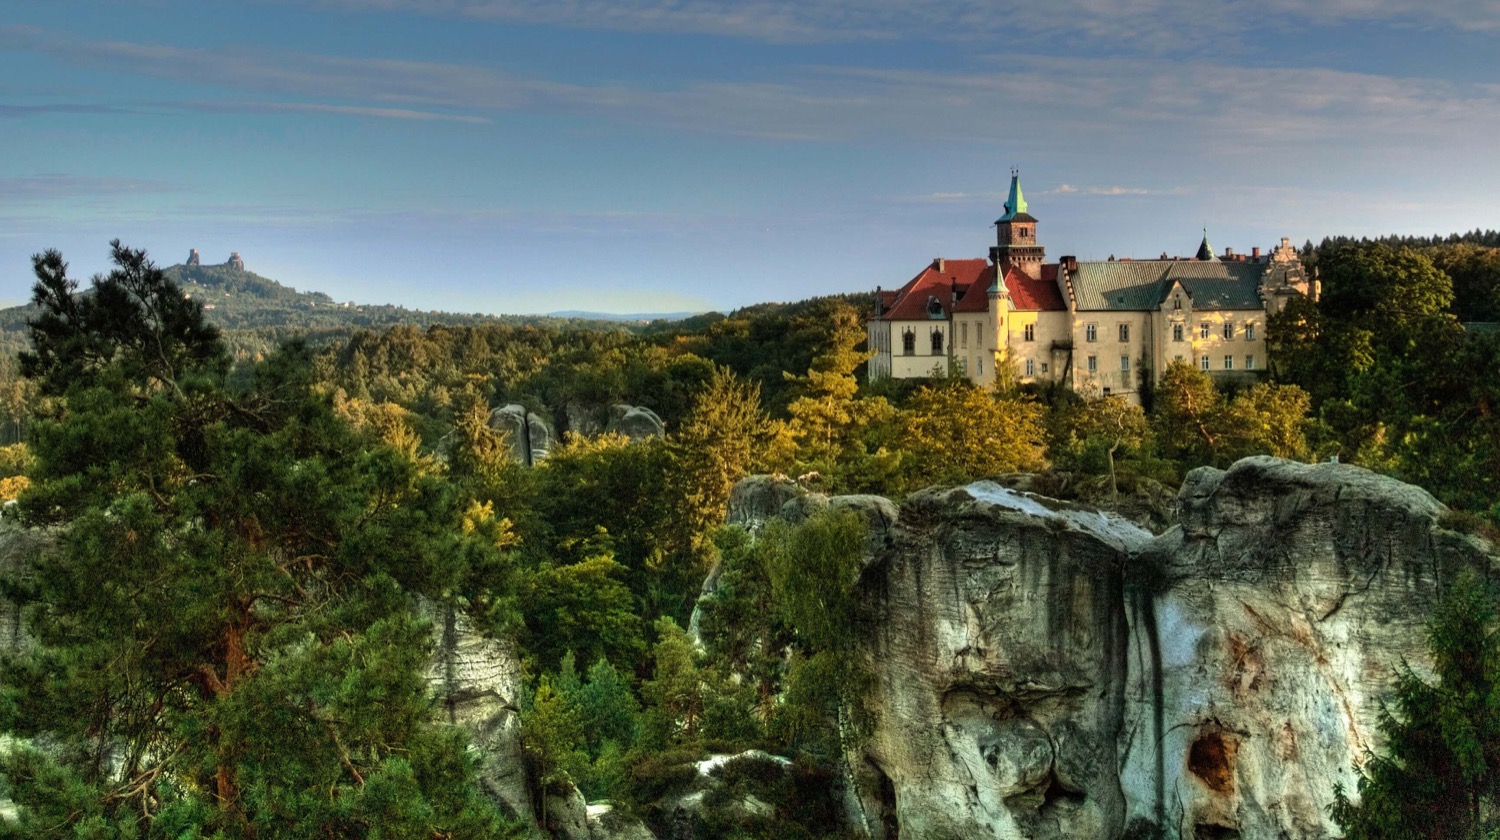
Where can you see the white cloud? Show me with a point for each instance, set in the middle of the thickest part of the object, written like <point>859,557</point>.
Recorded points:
<point>1176,25</point>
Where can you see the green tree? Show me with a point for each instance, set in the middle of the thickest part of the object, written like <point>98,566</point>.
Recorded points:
<point>1188,409</point>
<point>550,739</point>
<point>230,622</point>
<point>713,448</point>
<point>1440,774</point>
<point>1115,424</point>
<point>676,693</point>
<point>827,417</point>
<point>954,431</point>
<point>813,569</point>
<point>1267,420</point>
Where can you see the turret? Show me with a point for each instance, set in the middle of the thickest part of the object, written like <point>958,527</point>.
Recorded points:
<point>1205,250</point>
<point>1015,235</point>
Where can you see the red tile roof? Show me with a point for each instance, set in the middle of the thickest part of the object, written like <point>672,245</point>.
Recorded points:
<point>1031,295</point>
<point>912,300</point>
<point>971,281</point>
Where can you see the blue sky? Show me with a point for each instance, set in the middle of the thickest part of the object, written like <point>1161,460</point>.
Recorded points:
<point>634,155</point>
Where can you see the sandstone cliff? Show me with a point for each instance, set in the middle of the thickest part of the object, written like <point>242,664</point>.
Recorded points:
<point>1047,671</point>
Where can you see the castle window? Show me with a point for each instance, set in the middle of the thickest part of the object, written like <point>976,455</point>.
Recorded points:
<point>1250,332</point>
<point>1091,332</point>
<point>1031,367</point>
<point>1176,302</point>
<point>980,360</point>
<point>909,343</point>
<point>1228,330</point>
<point>1203,332</point>
<point>979,337</point>
<point>1203,362</point>
<point>1176,332</point>
<point>1229,363</point>
<point>964,334</point>
<point>1029,332</point>
<point>1093,364</point>
<point>937,342</point>
<point>1249,363</point>
<point>1124,364</point>
<point>1044,367</point>
<point>1124,332</point>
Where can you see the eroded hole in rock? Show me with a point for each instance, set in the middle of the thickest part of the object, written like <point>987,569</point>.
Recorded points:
<point>1213,831</point>
<point>1057,793</point>
<point>885,799</point>
<point>1211,759</point>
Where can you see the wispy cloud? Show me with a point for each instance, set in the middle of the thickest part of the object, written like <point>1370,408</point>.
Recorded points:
<point>12,111</point>
<point>1069,189</point>
<point>1028,103</point>
<point>323,108</point>
<point>1195,26</point>
<point>60,186</point>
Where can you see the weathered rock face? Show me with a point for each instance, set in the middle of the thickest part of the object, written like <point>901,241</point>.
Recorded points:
<point>999,638</point>
<point>1046,671</point>
<point>236,261</point>
<point>1265,633</point>
<point>478,682</point>
<point>19,547</point>
<point>635,422</point>
<point>529,435</point>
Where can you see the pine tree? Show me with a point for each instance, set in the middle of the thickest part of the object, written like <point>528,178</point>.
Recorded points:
<point>227,637</point>
<point>1440,773</point>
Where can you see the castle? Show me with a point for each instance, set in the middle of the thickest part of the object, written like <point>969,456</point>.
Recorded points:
<point>1102,326</point>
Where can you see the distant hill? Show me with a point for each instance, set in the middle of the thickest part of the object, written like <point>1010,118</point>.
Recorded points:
<point>634,317</point>
<point>257,313</point>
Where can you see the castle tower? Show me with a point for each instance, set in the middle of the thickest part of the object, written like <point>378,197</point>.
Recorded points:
<point>193,257</point>
<point>1015,235</point>
<point>235,261</point>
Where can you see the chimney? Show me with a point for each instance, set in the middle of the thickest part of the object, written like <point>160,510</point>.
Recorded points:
<point>942,264</point>
<point>1070,264</point>
<point>1228,253</point>
<point>1255,253</point>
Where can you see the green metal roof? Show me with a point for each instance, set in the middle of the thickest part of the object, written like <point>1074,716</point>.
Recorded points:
<point>1016,203</point>
<point>1138,285</point>
<point>1205,250</point>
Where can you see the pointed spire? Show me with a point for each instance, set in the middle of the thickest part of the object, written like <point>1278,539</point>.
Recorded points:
<point>998,288</point>
<point>1016,203</point>
<point>1205,250</point>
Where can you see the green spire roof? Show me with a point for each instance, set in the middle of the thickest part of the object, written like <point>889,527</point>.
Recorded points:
<point>1205,250</point>
<point>1017,202</point>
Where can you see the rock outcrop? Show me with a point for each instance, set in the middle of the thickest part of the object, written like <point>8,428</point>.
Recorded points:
<point>477,681</point>
<point>635,422</point>
<point>529,435</point>
<point>1265,632</point>
<point>997,647</point>
<point>1044,670</point>
<point>236,261</point>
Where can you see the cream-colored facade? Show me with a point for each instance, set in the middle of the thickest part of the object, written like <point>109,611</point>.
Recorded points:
<point>1101,327</point>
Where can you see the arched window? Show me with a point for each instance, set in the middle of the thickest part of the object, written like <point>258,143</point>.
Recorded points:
<point>908,343</point>
<point>937,342</point>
